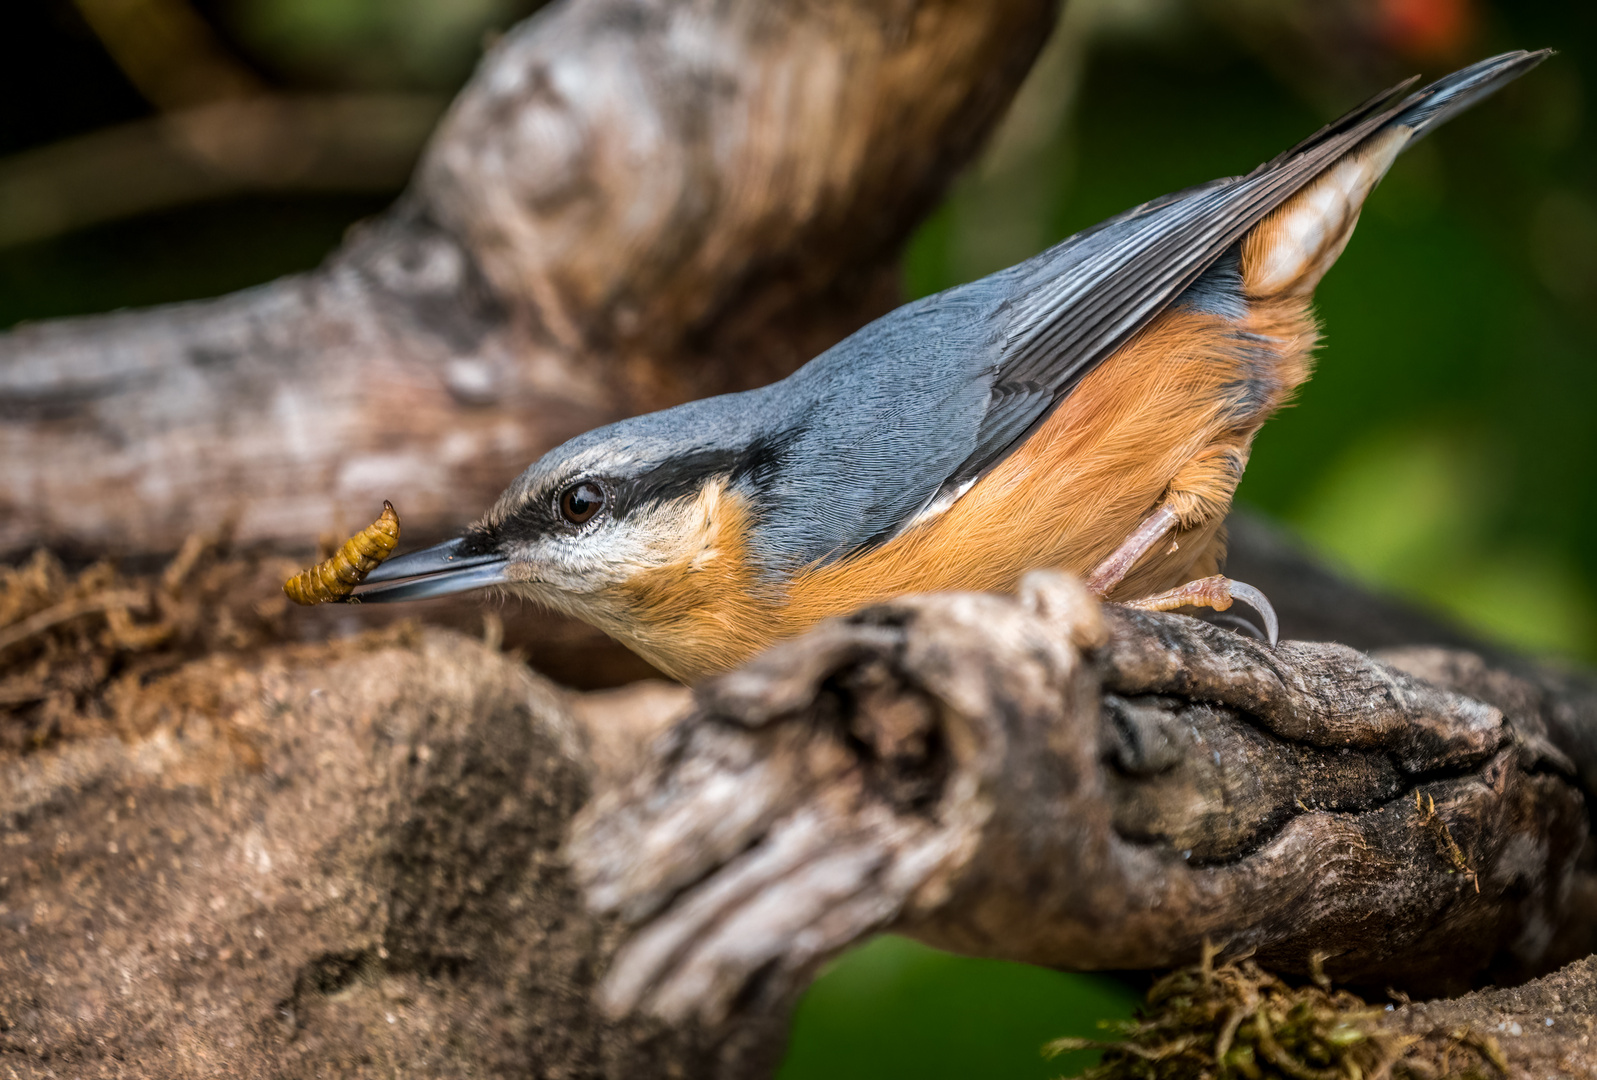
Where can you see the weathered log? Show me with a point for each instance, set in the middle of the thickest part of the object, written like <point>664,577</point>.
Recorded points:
<point>1545,1028</point>
<point>1039,780</point>
<point>284,847</point>
<point>1317,604</point>
<point>335,860</point>
<point>629,205</point>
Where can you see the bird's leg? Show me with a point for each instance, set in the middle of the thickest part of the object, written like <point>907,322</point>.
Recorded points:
<point>1113,570</point>
<point>1216,593</point>
<point>1201,492</point>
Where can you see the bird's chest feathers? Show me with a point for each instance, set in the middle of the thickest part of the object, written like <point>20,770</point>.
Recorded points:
<point>695,595</point>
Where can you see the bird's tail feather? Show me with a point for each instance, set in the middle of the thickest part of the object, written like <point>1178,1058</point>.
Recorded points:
<point>1445,98</point>
<point>1306,232</point>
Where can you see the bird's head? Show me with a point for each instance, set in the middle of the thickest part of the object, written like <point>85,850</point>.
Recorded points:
<point>640,528</point>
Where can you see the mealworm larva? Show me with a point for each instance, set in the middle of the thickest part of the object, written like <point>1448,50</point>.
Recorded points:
<point>335,578</point>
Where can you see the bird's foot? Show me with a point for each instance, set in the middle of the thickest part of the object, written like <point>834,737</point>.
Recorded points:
<point>1216,593</point>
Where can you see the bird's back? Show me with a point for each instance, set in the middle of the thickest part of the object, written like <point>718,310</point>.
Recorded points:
<point>900,420</point>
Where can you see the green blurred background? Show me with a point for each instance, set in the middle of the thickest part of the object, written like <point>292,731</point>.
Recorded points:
<point>1444,450</point>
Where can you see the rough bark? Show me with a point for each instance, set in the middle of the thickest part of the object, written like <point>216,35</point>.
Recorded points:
<point>629,205</point>
<point>1317,604</point>
<point>1545,1028</point>
<point>339,860</point>
<point>1037,780</point>
<point>347,858</point>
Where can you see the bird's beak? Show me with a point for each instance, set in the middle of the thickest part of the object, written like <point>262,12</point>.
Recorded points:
<point>436,571</point>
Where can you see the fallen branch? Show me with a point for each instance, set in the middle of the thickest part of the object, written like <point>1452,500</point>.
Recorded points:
<point>628,206</point>
<point>263,143</point>
<point>1039,780</point>
<point>326,836</point>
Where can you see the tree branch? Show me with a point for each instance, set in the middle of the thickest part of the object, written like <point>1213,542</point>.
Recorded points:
<point>627,207</point>
<point>1037,780</point>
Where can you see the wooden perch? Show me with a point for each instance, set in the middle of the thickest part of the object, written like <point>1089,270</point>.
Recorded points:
<point>227,854</point>
<point>1043,780</point>
<point>337,860</point>
<point>628,206</point>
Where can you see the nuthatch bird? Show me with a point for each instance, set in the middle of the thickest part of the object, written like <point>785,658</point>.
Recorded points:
<point>1091,408</point>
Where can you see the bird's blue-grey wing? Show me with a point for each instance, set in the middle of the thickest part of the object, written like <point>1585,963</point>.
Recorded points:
<point>1078,302</point>
<point>909,411</point>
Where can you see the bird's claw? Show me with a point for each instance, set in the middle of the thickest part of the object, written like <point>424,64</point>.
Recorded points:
<point>1216,593</point>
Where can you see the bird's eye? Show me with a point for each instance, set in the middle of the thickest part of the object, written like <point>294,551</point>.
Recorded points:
<point>581,501</point>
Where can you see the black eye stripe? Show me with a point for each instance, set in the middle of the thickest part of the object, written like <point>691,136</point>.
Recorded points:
<point>542,514</point>
<point>687,473</point>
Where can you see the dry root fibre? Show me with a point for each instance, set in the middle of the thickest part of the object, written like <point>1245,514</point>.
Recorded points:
<point>101,652</point>
<point>78,652</point>
<point>1235,1021</point>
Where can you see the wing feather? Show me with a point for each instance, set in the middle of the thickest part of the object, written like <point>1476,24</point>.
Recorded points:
<point>1083,299</point>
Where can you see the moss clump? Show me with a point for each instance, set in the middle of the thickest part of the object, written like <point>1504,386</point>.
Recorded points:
<point>1236,1021</point>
